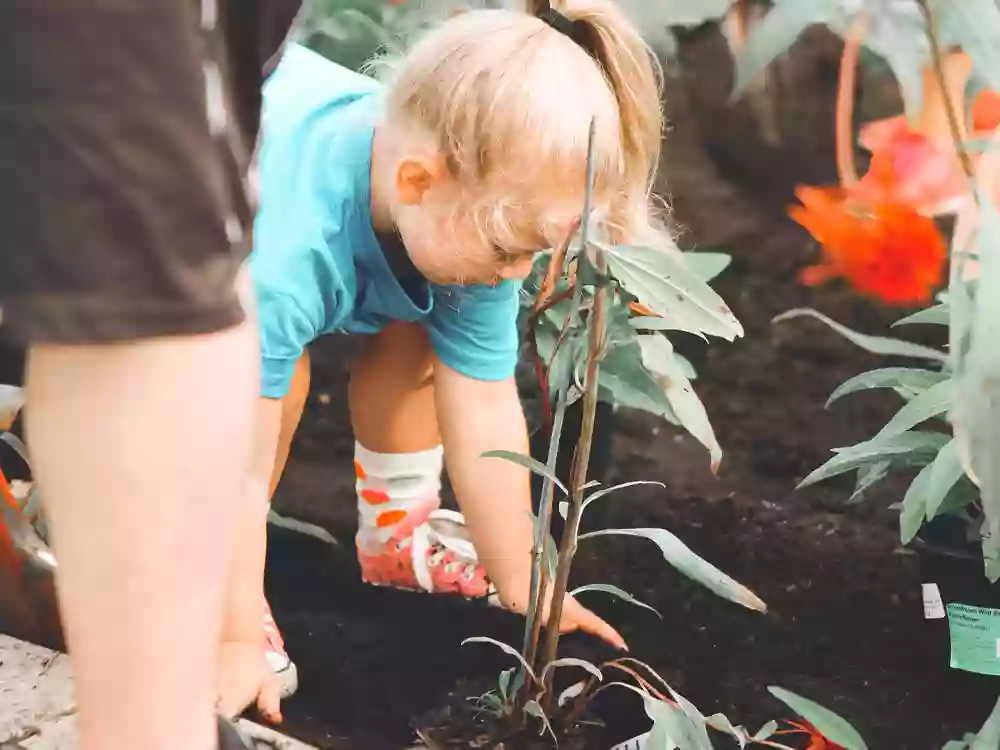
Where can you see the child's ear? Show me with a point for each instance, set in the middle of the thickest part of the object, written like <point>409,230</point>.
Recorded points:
<point>415,175</point>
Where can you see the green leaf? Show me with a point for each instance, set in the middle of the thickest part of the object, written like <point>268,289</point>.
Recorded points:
<point>505,648</point>
<point>874,344</point>
<point>707,265</point>
<point>914,510</point>
<point>690,564</point>
<point>869,476</point>
<point>912,379</point>
<point>663,281</point>
<point>572,662</point>
<point>933,402</point>
<point>975,26</point>
<point>607,588</point>
<point>649,323</point>
<point>658,358</point>
<point>988,738</point>
<point>529,463</point>
<point>775,33</point>
<point>766,731</point>
<point>623,486</point>
<point>630,384</point>
<point>504,683</point>
<point>533,708</point>
<point>977,410</point>
<point>945,472</point>
<point>909,447</point>
<point>937,315</point>
<point>686,367</point>
<point>831,726</point>
<point>674,728</point>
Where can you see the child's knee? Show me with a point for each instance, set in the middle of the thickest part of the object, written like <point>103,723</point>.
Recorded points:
<point>400,350</point>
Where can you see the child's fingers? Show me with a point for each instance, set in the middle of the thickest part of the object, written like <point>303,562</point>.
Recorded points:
<point>269,700</point>
<point>578,617</point>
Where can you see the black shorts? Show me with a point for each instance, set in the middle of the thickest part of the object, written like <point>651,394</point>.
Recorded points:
<point>126,129</point>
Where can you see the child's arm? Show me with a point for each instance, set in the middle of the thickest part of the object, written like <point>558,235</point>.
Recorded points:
<point>476,416</point>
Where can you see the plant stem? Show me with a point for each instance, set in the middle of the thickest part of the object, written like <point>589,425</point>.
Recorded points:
<point>957,264</point>
<point>951,111</point>
<point>581,461</point>
<point>844,114</point>
<point>539,569</point>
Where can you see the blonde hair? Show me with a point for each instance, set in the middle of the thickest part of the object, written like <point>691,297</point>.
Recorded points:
<point>509,100</point>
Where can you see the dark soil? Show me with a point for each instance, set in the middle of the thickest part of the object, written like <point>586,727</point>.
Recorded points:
<point>845,622</point>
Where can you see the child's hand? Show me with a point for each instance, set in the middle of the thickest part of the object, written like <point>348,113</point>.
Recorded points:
<point>245,678</point>
<point>574,615</point>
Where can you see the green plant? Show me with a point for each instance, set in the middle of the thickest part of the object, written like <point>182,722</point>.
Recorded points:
<point>837,732</point>
<point>585,335</point>
<point>955,388</point>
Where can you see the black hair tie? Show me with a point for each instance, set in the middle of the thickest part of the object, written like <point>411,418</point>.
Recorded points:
<point>577,30</point>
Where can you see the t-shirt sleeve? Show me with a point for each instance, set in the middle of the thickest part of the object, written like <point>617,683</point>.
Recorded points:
<point>285,331</point>
<point>473,329</point>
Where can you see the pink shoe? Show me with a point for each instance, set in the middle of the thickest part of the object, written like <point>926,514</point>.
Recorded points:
<point>429,551</point>
<point>277,657</point>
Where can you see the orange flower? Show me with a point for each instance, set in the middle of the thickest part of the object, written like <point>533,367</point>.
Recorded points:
<point>910,167</point>
<point>816,740</point>
<point>883,247</point>
<point>926,171</point>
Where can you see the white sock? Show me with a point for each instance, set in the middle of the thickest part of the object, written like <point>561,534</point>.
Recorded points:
<point>391,485</point>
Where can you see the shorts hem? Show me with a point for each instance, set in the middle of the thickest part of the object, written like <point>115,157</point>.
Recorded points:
<point>49,321</point>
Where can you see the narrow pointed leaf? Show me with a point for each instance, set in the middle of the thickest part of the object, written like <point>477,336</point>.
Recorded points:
<point>908,448</point>
<point>945,471</point>
<point>937,315</point>
<point>623,486</point>
<point>664,282</point>
<point>614,591</point>
<point>830,725</point>
<point>532,708</point>
<point>674,728</point>
<point>775,33</point>
<point>571,662</point>
<point>868,477</point>
<point>529,463</point>
<point>988,737</point>
<point>690,564</point>
<point>914,509</point>
<point>766,731</point>
<point>912,379</point>
<point>658,357</point>
<point>503,647</point>
<point>874,344</point>
<point>933,402</point>
<point>647,323</point>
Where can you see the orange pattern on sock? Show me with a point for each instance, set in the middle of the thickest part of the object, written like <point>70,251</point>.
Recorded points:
<point>390,518</point>
<point>359,471</point>
<point>374,497</point>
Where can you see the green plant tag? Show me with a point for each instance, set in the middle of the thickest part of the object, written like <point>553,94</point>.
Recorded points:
<point>975,638</point>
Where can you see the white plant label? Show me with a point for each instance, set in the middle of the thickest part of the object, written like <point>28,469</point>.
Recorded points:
<point>933,606</point>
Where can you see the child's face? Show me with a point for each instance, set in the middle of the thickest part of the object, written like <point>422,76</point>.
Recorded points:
<point>450,244</point>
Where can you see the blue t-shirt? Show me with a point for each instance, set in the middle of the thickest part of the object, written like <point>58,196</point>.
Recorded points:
<point>316,263</point>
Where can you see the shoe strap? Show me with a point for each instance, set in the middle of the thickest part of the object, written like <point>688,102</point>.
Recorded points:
<point>444,529</point>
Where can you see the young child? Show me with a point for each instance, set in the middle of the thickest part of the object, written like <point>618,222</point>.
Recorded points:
<point>407,211</point>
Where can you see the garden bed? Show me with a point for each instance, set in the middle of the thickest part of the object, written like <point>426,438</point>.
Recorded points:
<point>845,624</point>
